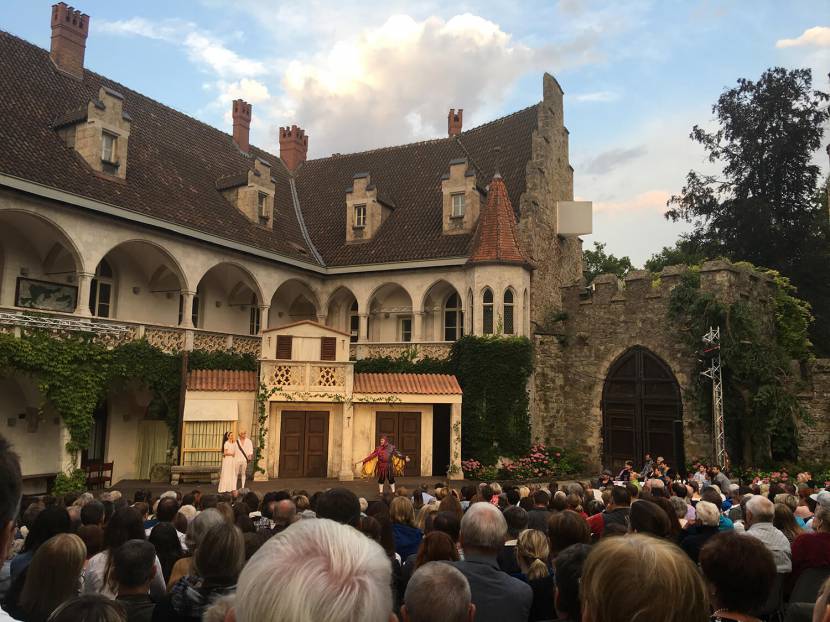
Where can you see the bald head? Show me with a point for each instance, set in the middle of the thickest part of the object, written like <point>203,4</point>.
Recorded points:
<point>285,511</point>
<point>759,509</point>
<point>483,528</point>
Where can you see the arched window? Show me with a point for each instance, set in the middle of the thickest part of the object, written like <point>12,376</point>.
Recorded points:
<point>487,312</point>
<point>453,318</point>
<point>525,314</point>
<point>354,323</point>
<point>508,312</point>
<point>253,322</point>
<point>101,290</point>
<point>470,312</point>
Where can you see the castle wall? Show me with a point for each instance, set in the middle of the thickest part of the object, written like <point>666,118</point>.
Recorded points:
<point>814,433</point>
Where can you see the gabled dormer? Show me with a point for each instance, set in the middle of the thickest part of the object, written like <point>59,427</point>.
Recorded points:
<point>462,198</point>
<point>252,193</point>
<point>99,133</point>
<point>365,210</point>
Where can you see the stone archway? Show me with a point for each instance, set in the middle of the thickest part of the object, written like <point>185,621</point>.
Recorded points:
<point>642,411</point>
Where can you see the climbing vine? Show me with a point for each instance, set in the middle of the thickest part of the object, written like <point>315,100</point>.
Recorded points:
<point>757,348</point>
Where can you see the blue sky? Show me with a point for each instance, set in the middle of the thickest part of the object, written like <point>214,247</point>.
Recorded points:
<point>637,75</point>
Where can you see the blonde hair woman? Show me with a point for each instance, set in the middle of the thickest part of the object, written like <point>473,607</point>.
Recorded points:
<point>628,578</point>
<point>407,536</point>
<point>532,554</point>
<point>53,576</point>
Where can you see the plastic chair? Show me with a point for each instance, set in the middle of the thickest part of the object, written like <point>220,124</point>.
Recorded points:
<point>808,584</point>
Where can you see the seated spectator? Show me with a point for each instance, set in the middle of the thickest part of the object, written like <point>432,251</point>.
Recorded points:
<point>616,512</point>
<point>350,572</point>
<point>93,537</point>
<point>537,516</point>
<point>567,528</point>
<point>340,505</point>
<point>759,514</point>
<point>624,579</point>
<point>671,515</point>
<point>49,523</point>
<point>784,521</point>
<point>93,514</point>
<point>451,504</point>
<point>284,513</point>
<point>253,542</point>
<point>52,578</point>
<point>437,591</point>
<point>125,525</point>
<point>165,538</point>
<point>704,528</point>
<point>134,566</point>
<point>648,518</point>
<point>740,572</point>
<point>407,535</point>
<point>497,596</point>
<point>821,611</point>
<point>812,549</point>
<point>195,534</point>
<point>567,577</point>
<point>532,553</point>
<point>680,508</point>
<point>216,566</point>
<point>436,547</point>
<point>516,519</point>
<point>89,608</point>
<point>166,511</point>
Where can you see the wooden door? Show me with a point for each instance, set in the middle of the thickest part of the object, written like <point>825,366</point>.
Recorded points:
<point>304,440</point>
<point>404,431</point>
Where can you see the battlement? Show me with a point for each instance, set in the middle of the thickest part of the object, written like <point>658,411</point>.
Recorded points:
<point>728,281</point>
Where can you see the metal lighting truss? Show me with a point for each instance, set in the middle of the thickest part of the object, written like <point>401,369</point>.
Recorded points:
<point>62,324</point>
<point>711,341</point>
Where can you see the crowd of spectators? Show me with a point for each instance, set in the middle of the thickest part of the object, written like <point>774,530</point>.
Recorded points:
<point>614,550</point>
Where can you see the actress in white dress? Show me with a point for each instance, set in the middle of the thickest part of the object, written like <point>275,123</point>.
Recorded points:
<point>227,475</point>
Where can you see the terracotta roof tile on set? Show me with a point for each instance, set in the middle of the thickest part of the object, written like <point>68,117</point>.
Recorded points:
<point>221,380</point>
<point>496,240</point>
<point>422,384</point>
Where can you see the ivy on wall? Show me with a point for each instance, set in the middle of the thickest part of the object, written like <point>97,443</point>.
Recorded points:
<point>757,347</point>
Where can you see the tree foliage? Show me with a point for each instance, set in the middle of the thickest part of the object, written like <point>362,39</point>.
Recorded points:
<point>766,207</point>
<point>597,261</point>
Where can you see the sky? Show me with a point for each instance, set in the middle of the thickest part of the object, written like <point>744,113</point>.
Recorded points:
<point>637,76</point>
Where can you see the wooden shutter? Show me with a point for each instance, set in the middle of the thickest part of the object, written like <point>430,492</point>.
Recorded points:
<point>328,348</point>
<point>284,347</point>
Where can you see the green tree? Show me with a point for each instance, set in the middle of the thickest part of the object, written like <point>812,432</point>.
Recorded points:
<point>763,208</point>
<point>684,251</point>
<point>597,261</point>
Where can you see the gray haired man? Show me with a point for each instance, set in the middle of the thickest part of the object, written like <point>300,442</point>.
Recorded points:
<point>436,591</point>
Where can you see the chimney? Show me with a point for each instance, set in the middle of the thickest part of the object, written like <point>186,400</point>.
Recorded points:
<point>242,124</point>
<point>293,146</point>
<point>454,121</point>
<point>69,31</point>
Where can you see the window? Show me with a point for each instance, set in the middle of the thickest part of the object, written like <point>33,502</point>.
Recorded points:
<point>263,208</point>
<point>359,216</point>
<point>405,329</point>
<point>328,349</point>
<point>457,205</point>
<point>100,291</point>
<point>284,343</point>
<point>108,147</point>
<point>487,312</point>
<point>453,318</point>
<point>508,312</point>
<point>354,323</point>
<point>253,322</point>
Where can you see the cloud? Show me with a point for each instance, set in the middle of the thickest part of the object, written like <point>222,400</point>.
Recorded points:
<point>817,36</point>
<point>651,200</point>
<point>596,96</point>
<point>607,161</point>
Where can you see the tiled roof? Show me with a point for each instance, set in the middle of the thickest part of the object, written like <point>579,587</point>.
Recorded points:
<point>422,384</point>
<point>496,240</point>
<point>221,380</point>
<point>177,164</point>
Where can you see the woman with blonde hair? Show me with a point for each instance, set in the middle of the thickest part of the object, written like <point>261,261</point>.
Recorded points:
<point>427,510</point>
<point>784,521</point>
<point>407,535</point>
<point>53,577</point>
<point>626,579</point>
<point>532,554</point>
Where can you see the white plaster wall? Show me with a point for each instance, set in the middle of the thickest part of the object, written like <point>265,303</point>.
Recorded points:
<point>39,451</point>
<point>499,278</point>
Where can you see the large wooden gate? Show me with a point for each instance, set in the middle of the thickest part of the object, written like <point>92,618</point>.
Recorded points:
<point>304,442</point>
<point>404,431</point>
<point>641,411</point>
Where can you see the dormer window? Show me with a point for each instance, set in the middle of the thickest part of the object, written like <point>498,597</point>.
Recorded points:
<point>360,216</point>
<point>458,205</point>
<point>262,208</point>
<point>108,148</point>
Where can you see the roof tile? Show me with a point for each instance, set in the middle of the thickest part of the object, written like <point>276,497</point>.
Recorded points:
<point>221,380</point>
<point>422,384</point>
<point>496,239</point>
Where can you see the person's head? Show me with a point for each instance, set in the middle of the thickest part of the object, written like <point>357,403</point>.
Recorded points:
<point>351,575</point>
<point>516,518</point>
<point>230,437</point>
<point>483,529</point>
<point>221,555</point>
<point>678,489</point>
<point>134,566</point>
<point>243,434</point>
<point>701,468</point>
<point>434,588</point>
<point>53,576</point>
<point>125,524</point>
<point>679,506</point>
<point>647,456</point>
<point>711,494</point>
<point>436,546</point>
<point>821,611</point>
<point>532,552</point>
<point>11,491</point>
<point>167,509</point>
<point>740,571</point>
<point>340,505</point>
<point>649,518</point>
<point>383,440</point>
<point>448,523</point>
<point>90,608</point>
<point>567,528</point>
<point>451,504</point>
<point>784,521</point>
<point>285,512</point>
<point>821,519</point>
<point>620,497</point>
<point>402,512</point>
<point>93,514</point>
<point>540,499</point>
<point>707,514</point>
<point>49,523</point>
<point>567,572</point>
<point>165,539</point>
<point>759,509</point>
<point>663,570</point>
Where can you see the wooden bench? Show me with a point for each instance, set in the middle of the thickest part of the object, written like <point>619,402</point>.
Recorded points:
<point>98,475</point>
<point>194,473</point>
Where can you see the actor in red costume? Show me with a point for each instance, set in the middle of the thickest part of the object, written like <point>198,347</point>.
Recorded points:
<point>387,462</point>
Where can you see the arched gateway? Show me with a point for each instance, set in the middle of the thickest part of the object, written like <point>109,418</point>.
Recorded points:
<point>641,411</point>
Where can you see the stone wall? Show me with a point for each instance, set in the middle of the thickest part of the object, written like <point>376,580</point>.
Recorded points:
<point>814,433</point>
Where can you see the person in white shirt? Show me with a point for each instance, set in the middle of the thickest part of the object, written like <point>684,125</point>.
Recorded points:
<point>244,455</point>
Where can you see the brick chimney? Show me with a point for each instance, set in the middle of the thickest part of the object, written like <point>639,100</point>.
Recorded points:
<point>69,31</point>
<point>454,121</point>
<point>293,146</point>
<point>242,124</point>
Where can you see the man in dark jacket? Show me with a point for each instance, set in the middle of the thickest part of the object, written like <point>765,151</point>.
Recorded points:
<point>497,596</point>
<point>538,515</point>
<point>133,567</point>
<point>516,518</point>
<point>616,512</point>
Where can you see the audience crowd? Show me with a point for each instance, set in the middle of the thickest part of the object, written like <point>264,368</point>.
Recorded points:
<point>627,548</point>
